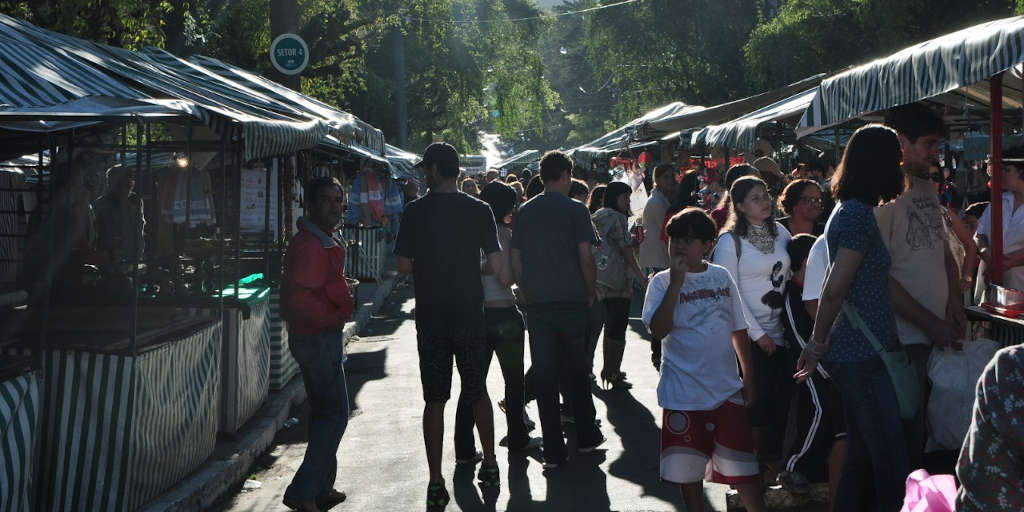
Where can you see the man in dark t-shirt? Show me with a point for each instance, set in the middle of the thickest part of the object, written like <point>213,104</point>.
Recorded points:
<point>439,242</point>
<point>554,266</point>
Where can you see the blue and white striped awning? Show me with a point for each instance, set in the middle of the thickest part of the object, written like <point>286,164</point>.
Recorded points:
<point>953,62</point>
<point>741,133</point>
<point>346,127</point>
<point>265,129</point>
<point>402,163</point>
<point>696,119</point>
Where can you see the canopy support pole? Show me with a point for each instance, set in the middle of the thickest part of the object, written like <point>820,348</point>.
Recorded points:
<point>996,206</point>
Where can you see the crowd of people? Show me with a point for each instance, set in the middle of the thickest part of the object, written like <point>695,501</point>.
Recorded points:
<point>814,298</point>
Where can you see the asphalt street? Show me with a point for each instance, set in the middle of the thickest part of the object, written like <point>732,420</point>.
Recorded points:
<point>383,463</point>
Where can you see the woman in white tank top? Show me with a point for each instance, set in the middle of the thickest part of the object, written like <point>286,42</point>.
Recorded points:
<point>505,332</point>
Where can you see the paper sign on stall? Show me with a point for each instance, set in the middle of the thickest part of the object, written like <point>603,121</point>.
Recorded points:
<point>254,200</point>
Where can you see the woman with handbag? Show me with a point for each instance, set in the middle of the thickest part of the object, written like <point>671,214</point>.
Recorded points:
<point>855,327</point>
<point>616,269</point>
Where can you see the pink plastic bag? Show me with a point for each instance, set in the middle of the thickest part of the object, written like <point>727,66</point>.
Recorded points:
<point>927,493</point>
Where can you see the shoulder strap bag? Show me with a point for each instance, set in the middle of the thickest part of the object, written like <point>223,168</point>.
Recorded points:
<point>901,372</point>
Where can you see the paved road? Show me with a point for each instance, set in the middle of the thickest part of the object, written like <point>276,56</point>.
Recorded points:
<point>382,461</point>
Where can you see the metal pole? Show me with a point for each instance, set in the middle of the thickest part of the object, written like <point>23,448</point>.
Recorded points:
<point>222,221</point>
<point>266,220</point>
<point>237,211</point>
<point>137,234</point>
<point>995,95</point>
<point>400,95</point>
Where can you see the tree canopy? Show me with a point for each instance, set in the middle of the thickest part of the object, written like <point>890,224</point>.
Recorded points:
<point>506,66</point>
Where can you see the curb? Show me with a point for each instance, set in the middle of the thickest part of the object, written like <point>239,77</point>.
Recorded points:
<point>217,477</point>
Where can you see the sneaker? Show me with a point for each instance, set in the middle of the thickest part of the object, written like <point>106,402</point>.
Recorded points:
<point>489,477</point>
<point>437,496</point>
<point>477,457</point>
<point>534,443</point>
<point>794,482</point>
<point>593,447</point>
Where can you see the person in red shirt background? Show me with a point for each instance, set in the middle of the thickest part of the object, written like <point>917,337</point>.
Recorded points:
<point>316,302</point>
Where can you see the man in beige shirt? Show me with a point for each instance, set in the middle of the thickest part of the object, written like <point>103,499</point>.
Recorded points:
<point>653,251</point>
<point>914,229</point>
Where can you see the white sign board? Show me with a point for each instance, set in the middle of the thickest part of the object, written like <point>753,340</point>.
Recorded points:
<point>254,200</point>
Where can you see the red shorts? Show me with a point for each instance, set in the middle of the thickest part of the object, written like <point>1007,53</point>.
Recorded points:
<point>712,445</point>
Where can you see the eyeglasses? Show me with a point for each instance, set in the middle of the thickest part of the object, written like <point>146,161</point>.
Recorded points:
<point>812,200</point>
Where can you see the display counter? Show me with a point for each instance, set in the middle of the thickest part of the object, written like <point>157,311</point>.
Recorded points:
<point>19,424</point>
<point>121,426</point>
<point>245,362</point>
<point>1007,331</point>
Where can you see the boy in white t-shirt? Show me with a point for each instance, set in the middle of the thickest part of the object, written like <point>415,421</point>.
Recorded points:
<point>695,310</point>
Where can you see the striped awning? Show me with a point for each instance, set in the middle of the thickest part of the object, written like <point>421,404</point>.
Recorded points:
<point>956,63</point>
<point>525,156</point>
<point>683,121</point>
<point>265,129</point>
<point>617,139</point>
<point>346,127</point>
<point>402,162</point>
<point>741,133</point>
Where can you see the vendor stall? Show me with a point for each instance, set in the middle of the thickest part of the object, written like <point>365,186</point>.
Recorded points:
<point>972,74</point>
<point>121,425</point>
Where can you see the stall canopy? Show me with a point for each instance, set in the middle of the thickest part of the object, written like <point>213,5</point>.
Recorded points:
<point>952,70</point>
<point>618,139</point>
<point>525,156</point>
<point>265,130</point>
<point>346,127</point>
<point>402,162</point>
<point>741,133</point>
<point>686,120</point>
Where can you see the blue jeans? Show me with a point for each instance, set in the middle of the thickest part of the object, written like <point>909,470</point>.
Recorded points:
<point>876,453</point>
<point>320,358</point>
<point>558,349</point>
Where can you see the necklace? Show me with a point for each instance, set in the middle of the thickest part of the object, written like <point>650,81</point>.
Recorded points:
<point>761,239</point>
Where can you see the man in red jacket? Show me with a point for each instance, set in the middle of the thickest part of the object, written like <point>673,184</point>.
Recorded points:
<point>316,301</point>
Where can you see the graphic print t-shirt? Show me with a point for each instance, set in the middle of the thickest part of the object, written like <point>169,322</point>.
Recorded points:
<point>698,362</point>
<point>761,279</point>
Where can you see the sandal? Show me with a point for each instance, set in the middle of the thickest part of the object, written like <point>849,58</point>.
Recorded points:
<point>437,496</point>
<point>489,477</point>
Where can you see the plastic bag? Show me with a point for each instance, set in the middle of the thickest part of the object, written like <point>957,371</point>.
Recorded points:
<point>954,375</point>
<point>927,493</point>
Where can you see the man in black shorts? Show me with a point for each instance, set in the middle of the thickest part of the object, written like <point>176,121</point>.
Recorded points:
<point>439,243</point>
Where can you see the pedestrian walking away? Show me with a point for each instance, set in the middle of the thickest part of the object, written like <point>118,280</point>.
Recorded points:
<point>505,334</point>
<point>553,262</point>
<point>439,243</point>
<point>316,302</point>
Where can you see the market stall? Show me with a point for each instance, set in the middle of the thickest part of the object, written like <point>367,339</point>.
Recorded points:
<point>973,74</point>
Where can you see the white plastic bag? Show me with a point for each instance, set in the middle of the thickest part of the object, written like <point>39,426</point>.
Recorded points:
<point>954,375</point>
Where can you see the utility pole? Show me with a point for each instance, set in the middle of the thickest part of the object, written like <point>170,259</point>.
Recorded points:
<point>400,95</point>
<point>284,18</point>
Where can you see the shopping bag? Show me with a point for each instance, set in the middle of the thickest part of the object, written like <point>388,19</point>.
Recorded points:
<point>929,493</point>
<point>954,375</point>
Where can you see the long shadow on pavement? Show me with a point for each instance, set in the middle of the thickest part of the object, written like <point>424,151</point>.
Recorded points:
<point>641,443</point>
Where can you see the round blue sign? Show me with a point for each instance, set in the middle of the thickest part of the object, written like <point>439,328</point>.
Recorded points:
<point>289,54</point>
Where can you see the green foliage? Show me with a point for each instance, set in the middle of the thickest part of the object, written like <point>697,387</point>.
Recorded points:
<point>814,36</point>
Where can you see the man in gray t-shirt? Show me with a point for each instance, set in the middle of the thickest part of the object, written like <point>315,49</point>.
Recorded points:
<point>554,266</point>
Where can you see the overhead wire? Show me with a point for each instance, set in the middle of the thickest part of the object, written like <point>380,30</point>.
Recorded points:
<point>528,18</point>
